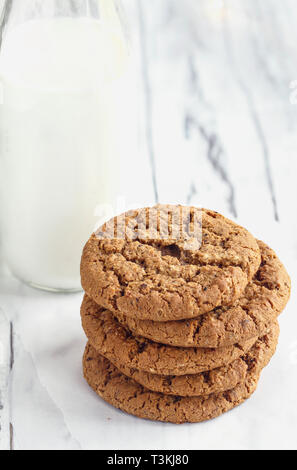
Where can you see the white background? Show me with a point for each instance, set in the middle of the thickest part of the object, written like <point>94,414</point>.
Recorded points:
<point>219,131</point>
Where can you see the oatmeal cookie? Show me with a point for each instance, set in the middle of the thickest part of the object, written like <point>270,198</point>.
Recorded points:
<point>119,345</point>
<point>124,393</point>
<point>168,263</point>
<point>214,381</point>
<point>262,302</point>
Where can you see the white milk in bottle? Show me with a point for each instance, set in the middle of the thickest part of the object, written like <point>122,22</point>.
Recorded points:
<point>65,103</point>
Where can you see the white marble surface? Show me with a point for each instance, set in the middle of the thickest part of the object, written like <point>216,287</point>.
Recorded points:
<point>219,130</point>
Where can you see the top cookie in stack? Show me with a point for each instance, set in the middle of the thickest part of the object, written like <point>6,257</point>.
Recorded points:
<point>169,263</point>
<point>174,292</point>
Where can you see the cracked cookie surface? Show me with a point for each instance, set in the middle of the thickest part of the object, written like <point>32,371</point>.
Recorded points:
<point>214,381</point>
<point>117,344</point>
<point>129,396</point>
<point>184,264</point>
<point>262,302</point>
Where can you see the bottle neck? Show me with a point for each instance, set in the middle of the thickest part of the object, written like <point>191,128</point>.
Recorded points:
<point>15,12</point>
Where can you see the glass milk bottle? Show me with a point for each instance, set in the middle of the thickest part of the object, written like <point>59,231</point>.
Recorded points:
<point>65,80</point>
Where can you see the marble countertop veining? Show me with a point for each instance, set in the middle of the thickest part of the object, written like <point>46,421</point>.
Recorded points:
<point>219,122</point>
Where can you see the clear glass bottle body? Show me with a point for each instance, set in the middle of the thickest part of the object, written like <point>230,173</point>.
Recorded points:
<point>65,77</point>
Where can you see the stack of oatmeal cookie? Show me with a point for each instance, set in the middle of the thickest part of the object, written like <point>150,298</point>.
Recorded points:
<point>180,312</point>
